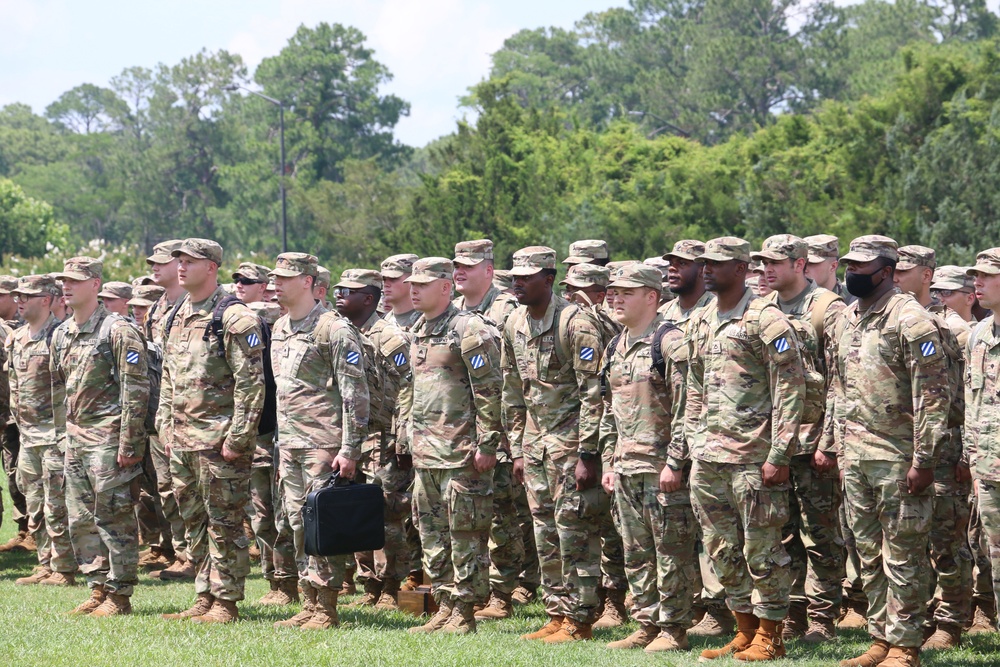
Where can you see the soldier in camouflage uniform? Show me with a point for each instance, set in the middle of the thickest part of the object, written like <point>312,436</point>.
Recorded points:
<point>742,436</point>
<point>646,462</point>
<point>591,251</point>
<point>503,281</point>
<point>552,407</point>
<point>890,409</point>
<point>98,364</point>
<point>143,298</point>
<point>114,297</point>
<point>41,461</point>
<point>211,399</point>
<point>9,441</point>
<point>823,260</point>
<point>453,421</point>
<point>396,293</point>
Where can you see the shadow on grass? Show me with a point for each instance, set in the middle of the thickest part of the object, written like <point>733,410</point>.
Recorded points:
<point>15,564</point>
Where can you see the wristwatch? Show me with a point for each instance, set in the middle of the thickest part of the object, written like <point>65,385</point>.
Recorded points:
<point>588,456</point>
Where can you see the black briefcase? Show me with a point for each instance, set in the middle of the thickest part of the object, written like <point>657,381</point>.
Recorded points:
<point>343,518</point>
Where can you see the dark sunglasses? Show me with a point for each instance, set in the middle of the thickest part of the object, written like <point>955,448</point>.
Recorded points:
<point>343,292</point>
<point>248,281</point>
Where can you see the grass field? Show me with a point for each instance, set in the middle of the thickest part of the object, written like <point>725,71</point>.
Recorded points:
<point>33,632</point>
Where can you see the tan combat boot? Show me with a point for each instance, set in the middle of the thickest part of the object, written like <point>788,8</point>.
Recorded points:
<point>283,592</point>
<point>39,574</point>
<point>715,623</point>
<point>571,631</point>
<point>29,543</point>
<point>113,605</point>
<point>497,608</point>
<point>96,599</point>
<point>372,592</point>
<point>614,614</point>
<point>902,656</point>
<point>797,623</point>
<point>767,643</point>
<point>325,615</point>
<point>412,582</point>
<point>985,619</point>
<point>182,569</point>
<point>15,543</point>
<point>155,558</point>
<point>523,595</point>
<point>202,605</point>
<point>389,600</point>
<point>438,620</point>
<point>854,616</point>
<point>222,611</point>
<point>349,587</point>
<point>462,620</point>
<point>874,656</point>
<point>945,637</point>
<point>670,638</point>
<point>59,579</point>
<point>641,638</point>
<point>746,629</point>
<point>550,628</point>
<point>308,609</point>
<point>820,630</point>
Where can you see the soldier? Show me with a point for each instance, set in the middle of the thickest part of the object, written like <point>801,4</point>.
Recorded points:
<point>474,282</point>
<point>588,252</point>
<point>503,281</point>
<point>40,464</point>
<point>98,364</point>
<point>890,410</point>
<point>211,399</point>
<point>143,298</point>
<point>812,537</point>
<point>251,282</point>
<point>824,258</point>
<point>952,287</point>
<point>322,286</point>
<point>114,296</point>
<point>9,440</point>
<point>742,436</point>
<point>646,462</point>
<point>60,310</point>
<point>552,407</point>
<point>396,293</point>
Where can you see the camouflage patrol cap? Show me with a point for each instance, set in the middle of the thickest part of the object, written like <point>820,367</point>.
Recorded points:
<point>55,277</point>
<point>36,286</point>
<point>360,278</point>
<point>146,295</point>
<point>822,247</point>
<point>988,262</point>
<point>266,310</point>
<point>611,266</point>
<point>782,246</point>
<point>252,271</point>
<point>867,248</point>
<point>292,264</point>
<point>81,268</point>
<point>143,280</point>
<point>659,263</point>
<point>587,275</point>
<point>757,268</point>
<point>502,279</point>
<point>529,261</point>
<point>163,252</point>
<point>726,248</point>
<point>912,256</point>
<point>115,290</point>
<point>200,249</point>
<point>951,277</point>
<point>8,284</point>
<point>584,252</point>
<point>637,275</point>
<point>688,249</point>
<point>429,269</point>
<point>473,252</point>
<point>323,278</point>
<point>398,266</point>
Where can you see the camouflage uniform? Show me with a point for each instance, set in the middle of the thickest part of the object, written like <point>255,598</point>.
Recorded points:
<point>823,247</point>
<point>890,411</point>
<point>733,427</point>
<point>586,252</point>
<point>208,400</point>
<point>552,407</point>
<point>9,440</point>
<point>100,369</point>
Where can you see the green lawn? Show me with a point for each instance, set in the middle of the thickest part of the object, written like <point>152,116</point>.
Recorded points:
<point>35,633</point>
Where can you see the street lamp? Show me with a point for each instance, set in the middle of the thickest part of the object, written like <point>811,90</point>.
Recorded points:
<point>281,183</point>
<point>666,125</point>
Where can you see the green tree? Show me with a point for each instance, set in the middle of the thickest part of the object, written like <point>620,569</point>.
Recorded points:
<point>26,225</point>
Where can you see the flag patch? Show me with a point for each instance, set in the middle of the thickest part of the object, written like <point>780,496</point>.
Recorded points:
<point>132,357</point>
<point>477,362</point>
<point>587,353</point>
<point>399,359</point>
<point>928,348</point>
<point>253,340</point>
<point>353,357</point>
<point>781,345</point>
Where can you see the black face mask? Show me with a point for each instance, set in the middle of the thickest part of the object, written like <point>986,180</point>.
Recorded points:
<point>861,285</point>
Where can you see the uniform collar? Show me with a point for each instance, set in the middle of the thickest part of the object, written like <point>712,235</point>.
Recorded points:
<point>91,324</point>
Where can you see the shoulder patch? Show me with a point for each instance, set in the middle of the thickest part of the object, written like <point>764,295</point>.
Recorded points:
<point>353,357</point>
<point>132,356</point>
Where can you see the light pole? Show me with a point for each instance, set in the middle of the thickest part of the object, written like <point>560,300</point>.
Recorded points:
<point>666,125</point>
<point>281,183</point>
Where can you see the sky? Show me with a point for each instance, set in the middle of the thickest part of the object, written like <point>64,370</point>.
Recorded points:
<point>435,49</point>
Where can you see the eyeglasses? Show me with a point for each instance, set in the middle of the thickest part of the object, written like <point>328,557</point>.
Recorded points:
<point>248,281</point>
<point>948,293</point>
<point>343,292</point>
<point>22,298</point>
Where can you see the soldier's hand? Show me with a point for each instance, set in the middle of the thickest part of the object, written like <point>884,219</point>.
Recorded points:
<point>229,455</point>
<point>484,462</point>
<point>773,475</point>
<point>823,462</point>
<point>608,482</point>
<point>346,466</point>
<point>918,479</point>
<point>128,461</point>
<point>586,474</point>
<point>962,473</point>
<point>405,461</point>
<point>519,470</point>
<point>671,480</point>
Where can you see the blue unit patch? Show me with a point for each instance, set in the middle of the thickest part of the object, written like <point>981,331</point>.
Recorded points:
<point>399,359</point>
<point>928,348</point>
<point>477,362</point>
<point>587,353</point>
<point>132,357</point>
<point>353,357</point>
<point>781,345</point>
<point>253,340</point>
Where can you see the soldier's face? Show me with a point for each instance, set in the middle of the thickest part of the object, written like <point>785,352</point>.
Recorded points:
<point>430,297</point>
<point>80,293</point>
<point>394,290</point>
<point>250,292</point>
<point>630,305</point>
<point>779,273</point>
<point>473,279</point>
<point>115,305</point>
<point>139,313</point>
<point>988,290</point>
<point>33,308</point>
<point>910,280</point>
<point>721,276</point>
<point>352,303</point>
<point>164,275</point>
<point>823,273</point>
<point>193,273</point>
<point>532,290</point>
<point>958,300</point>
<point>682,275</point>
<point>292,291</point>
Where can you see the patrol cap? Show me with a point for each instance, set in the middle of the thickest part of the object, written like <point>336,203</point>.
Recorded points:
<point>266,310</point>
<point>867,248</point>
<point>822,247</point>
<point>163,252</point>
<point>146,295</point>
<point>611,266</point>
<point>912,256</point>
<point>360,278</point>
<point>252,271</point>
<point>757,268</point>
<point>988,262</point>
<point>398,266</point>
<point>36,286</point>
<point>81,268</point>
<point>688,249</point>
<point>502,279</point>
<point>8,284</point>
<point>637,275</point>
<point>472,253</point>
<point>322,277</point>
<point>951,277</point>
<point>292,264</point>
<point>726,248</point>
<point>587,275</point>
<point>55,277</point>
<point>782,246</point>
<point>659,263</point>
<point>529,261</point>
<point>429,269</point>
<point>584,252</point>
<point>200,249</point>
<point>143,280</point>
<point>115,290</point>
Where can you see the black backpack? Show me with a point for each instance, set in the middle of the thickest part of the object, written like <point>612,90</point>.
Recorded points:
<point>656,354</point>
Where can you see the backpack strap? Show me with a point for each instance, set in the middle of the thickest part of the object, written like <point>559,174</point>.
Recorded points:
<point>607,362</point>
<point>104,343</point>
<point>562,332</point>
<point>820,306</point>
<point>173,314</point>
<point>656,350</point>
<point>214,326</point>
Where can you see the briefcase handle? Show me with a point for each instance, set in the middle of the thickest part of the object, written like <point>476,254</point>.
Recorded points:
<point>335,479</point>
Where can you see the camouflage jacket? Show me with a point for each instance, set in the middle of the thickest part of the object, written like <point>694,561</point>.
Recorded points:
<point>6,417</point>
<point>953,451</point>
<point>392,349</point>
<point>405,321</point>
<point>209,399</point>
<point>673,312</point>
<point>322,391</point>
<point>496,306</point>
<point>35,399</point>
<point>982,400</point>
<point>155,319</point>
<point>746,386</point>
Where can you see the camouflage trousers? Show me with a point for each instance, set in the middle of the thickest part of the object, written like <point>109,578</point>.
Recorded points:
<point>270,527</point>
<point>302,471</point>
<point>10,444</point>
<point>612,551</point>
<point>567,536</point>
<point>710,594</point>
<point>891,528</point>
<point>530,575</point>
<point>851,587</point>
<point>813,540</point>
<point>506,543</point>
<point>154,529</point>
<point>396,559</point>
<point>40,472</point>
<point>102,527</point>
<point>165,490</point>
<point>658,533</point>
<point>211,496</point>
<point>741,522</point>
<point>951,558</point>
<point>452,509</point>
<point>988,493</point>
<point>982,583</point>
